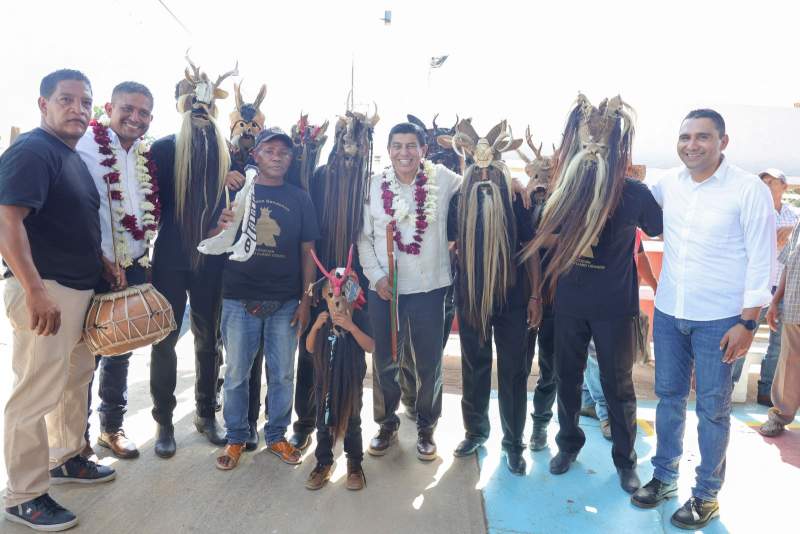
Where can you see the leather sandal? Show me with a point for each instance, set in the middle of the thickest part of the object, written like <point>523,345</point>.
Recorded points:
<point>230,456</point>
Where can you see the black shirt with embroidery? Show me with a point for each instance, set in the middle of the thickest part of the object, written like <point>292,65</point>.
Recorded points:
<point>603,283</point>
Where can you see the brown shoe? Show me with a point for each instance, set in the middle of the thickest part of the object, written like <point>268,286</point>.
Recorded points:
<point>355,477</point>
<point>120,445</point>
<point>764,400</point>
<point>319,477</point>
<point>230,456</point>
<point>284,450</point>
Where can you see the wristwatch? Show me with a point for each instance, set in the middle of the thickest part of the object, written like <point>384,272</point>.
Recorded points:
<point>749,324</point>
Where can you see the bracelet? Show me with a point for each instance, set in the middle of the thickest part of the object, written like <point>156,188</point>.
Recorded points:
<point>535,298</point>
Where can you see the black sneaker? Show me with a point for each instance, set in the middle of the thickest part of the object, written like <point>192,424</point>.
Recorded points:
<point>695,513</point>
<point>82,471</point>
<point>651,494</point>
<point>42,513</point>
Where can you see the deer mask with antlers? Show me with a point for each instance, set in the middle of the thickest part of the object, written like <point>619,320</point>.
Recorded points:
<point>198,93</point>
<point>246,121</point>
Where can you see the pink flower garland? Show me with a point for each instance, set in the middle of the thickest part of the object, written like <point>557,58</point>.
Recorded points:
<point>420,196</point>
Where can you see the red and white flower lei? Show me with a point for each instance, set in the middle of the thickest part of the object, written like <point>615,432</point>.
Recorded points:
<point>397,208</point>
<point>148,186</point>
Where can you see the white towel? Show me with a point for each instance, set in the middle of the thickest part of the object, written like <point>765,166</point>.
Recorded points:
<point>244,214</point>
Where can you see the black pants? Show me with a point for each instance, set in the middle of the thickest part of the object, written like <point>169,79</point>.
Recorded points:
<point>113,386</point>
<point>545,393</point>
<point>305,405</point>
<point>408,372</point>
<point>511,337</point>
<point>615,343</point>
<point>421,318</point>
<point>204,288</point>
<point>353,444</point>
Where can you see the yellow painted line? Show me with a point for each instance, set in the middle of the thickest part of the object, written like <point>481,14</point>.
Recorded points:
<point>647,427</point>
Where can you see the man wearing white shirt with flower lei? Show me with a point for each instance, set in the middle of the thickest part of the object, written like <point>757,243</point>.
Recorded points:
<point>118,160</point>
<point>415,195</point>
<point>719,245</point>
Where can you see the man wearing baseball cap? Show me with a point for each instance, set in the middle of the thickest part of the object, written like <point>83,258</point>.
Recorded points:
<point>785,220</point>
<point>263,298</point>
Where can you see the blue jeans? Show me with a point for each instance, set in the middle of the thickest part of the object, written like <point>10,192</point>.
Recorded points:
<point>592,392</point>
<point>679,345</point>
<point>770,361</point>
<point>242,335</point>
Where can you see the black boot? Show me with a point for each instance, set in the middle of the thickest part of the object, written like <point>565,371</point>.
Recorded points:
<point>561,462</point>
<point>251,443</point>
<point>515,462</point>
<point>165,441</point>
<point>628,479</point>
<point>695,514</point>
<point>651,494</point>
<point>538,438</point>
<point>467,447</point>
<point>209,427</point>
<point>426,447</point>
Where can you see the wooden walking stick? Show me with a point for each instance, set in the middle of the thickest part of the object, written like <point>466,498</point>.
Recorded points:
<point>393,287</point>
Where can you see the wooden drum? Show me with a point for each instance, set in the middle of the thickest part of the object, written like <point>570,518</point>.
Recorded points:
<point>122,321</point>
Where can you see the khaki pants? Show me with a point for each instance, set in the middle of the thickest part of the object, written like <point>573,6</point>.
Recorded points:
<point>48,402</point>
<point>786,384</point>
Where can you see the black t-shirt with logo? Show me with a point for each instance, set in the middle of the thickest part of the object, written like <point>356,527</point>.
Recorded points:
<point>286,219</point>
<point>42,173</point>
<point>603,282</point>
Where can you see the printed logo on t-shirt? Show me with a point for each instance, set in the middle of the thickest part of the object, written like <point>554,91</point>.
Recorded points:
<point>267,229</point>
<point>586,258</point>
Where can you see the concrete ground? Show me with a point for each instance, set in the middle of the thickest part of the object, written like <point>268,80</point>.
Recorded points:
<point>187,494</point>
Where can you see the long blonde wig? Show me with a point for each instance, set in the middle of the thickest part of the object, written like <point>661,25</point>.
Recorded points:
<point>201,162</point>
<point>486,238</point>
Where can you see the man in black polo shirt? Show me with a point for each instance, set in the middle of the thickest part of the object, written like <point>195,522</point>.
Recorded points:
<point>50,241</point>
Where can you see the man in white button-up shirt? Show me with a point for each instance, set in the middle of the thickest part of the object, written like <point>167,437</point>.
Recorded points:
<point>719,246</point>
<point>423,271</point>
<point>130,113</point>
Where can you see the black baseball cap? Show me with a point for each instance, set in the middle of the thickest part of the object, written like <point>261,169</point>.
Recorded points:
<point>273,133</point>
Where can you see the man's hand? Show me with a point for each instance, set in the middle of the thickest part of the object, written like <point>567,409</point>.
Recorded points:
<point>534,313</point>
<point>784,232</point>
<point>773,314</point>
<point>343,320</point>
<point>44,313</point>
<point>383,289</point>
<point>301,316</point>
<point>519,189</point>
<point>225,220</point>
<point>736,342</point>
<point>234,180</point>
<point>114,275</point>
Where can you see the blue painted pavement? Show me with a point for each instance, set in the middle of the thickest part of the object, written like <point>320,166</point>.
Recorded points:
<point>759,494</point>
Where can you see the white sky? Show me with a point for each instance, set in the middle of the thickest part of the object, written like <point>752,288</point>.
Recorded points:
<point>524,61</point>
